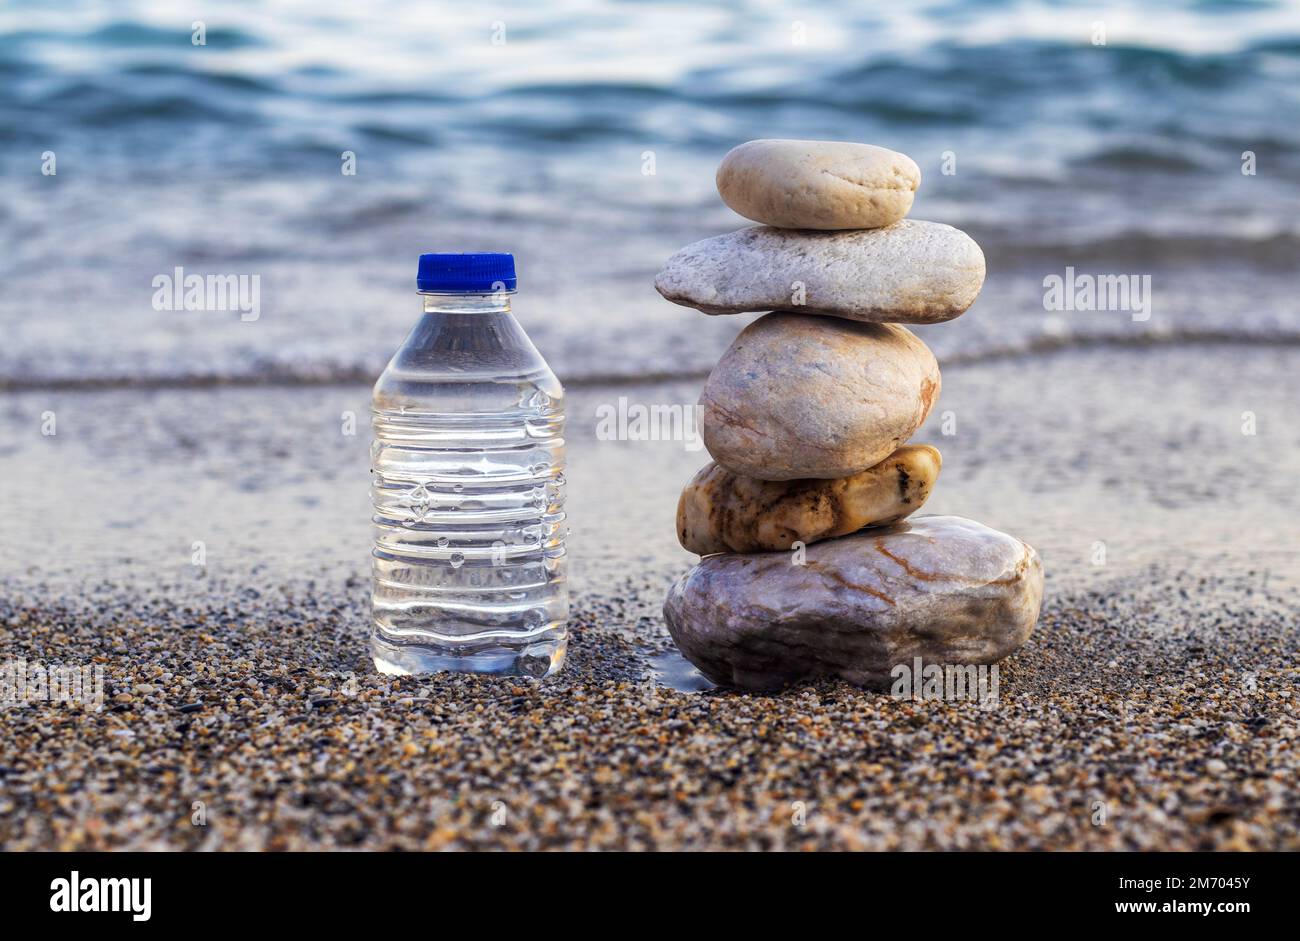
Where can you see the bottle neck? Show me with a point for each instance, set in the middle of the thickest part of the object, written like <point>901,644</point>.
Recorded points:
<point>494,303</point>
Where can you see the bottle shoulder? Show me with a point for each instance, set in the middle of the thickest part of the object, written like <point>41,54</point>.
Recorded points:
<point>466,359</point>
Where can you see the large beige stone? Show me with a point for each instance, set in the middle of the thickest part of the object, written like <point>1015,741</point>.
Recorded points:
<point>724,512</point>
<point>910,272</point>
<point>945,589</point>
<point>801,396</point>
<point>813,184</point>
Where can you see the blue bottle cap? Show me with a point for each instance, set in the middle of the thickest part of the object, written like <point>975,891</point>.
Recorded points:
<point>466,272</point>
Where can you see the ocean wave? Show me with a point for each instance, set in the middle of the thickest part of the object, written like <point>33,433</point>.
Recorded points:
<point>1156,158</point>
<point>223,80</point>
<point>133,34</point>
<point>1275,250</point>
<point>331,374</point>
<point>1000,83</point>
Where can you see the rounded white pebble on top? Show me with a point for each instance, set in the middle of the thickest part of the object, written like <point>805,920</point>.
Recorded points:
<point>802,184</point>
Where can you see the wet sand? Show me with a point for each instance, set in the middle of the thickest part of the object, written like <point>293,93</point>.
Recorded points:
<point>1153,708</point>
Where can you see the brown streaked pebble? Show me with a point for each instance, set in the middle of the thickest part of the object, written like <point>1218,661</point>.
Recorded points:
<point>720,511</point>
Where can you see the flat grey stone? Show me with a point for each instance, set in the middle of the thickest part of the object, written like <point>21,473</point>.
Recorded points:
<point>908,272</point>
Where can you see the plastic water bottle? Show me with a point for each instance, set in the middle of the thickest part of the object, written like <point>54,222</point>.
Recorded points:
<point>467,482</point>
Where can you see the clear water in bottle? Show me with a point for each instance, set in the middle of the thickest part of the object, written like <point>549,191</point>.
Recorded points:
<point>467,483</point>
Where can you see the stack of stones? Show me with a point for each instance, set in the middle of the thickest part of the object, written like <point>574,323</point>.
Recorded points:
<point>811,568</point>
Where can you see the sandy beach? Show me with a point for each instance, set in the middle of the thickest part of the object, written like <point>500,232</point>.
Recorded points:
<point>1155,705</point>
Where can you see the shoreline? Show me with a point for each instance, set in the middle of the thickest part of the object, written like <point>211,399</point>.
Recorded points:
<point>1033,347</point>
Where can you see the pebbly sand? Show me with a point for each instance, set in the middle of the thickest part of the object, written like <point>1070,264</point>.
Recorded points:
<point>1158,690</point>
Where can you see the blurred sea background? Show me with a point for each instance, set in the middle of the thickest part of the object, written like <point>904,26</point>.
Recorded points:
<point>530,128</point>
<point>184,495</point>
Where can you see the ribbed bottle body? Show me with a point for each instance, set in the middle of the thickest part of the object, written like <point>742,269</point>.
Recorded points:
<point>468,491</point>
